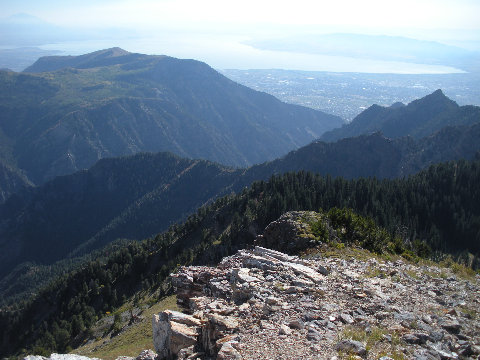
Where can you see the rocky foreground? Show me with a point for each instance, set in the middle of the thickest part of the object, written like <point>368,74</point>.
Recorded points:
<point>265,304</point>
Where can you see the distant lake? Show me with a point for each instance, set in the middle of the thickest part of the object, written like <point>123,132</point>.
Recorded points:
<point>227,52</point>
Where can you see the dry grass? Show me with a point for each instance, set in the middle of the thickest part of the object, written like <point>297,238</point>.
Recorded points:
<point>375,342</point>
<point>131,341</point>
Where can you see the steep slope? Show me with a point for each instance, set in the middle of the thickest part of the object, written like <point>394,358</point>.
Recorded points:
<point>11,181</point>
<point>138,196</point>
<point>376,155</point>
<point>105,57</point>
<point>113,103</point>
<point>362,156</point>
<point>418,119</point>
<point>115,198</point>
<point>440,204</point>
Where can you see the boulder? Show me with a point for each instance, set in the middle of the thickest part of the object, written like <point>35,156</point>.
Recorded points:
<point>216,328</point>
<point>228,352</point>
<point>351,347</point>
<point>56,356</point>
<point>288,233</point>
<point>452,326</point>
<point>173,331</point>
<point>146,355</point>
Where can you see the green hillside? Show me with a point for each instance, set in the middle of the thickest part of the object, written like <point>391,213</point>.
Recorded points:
<point>438,205</point>
<point>69,112</point>
<point>138,196</point>
<point>117,198</point>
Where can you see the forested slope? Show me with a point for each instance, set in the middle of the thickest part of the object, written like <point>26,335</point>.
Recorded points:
<point>439,205</point>
<point>138,196</point>
<point>418,119</point>
<point>70,111</point>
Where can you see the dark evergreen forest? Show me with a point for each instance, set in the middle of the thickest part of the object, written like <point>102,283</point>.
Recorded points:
<point>427,214</point>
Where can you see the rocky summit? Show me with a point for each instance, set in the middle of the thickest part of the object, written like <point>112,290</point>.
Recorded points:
<point>264,304</point>
<point>328,303</point>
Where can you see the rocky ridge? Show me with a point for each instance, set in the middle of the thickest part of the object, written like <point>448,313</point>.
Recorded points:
<point>264,304</point>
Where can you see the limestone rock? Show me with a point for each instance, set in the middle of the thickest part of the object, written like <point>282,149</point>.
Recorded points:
<point>181,318</point>
<point>415,338</point>
<point>451,326</point>
<point>346,318</point>
<point>242,276</point>
<point>56,356</point>
<point>296,324</point>
<point>262,303</point>
<point>217,327</point>
<point>146,355</point>
<point>351,347</point>
<point>193,281</point>
<point>284,330</point>
<point>170,336</point>
<point>228,352</point>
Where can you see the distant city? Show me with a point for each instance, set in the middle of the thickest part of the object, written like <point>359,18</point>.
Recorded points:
<point>348,94</point>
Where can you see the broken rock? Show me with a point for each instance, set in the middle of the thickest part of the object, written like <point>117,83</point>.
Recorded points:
<point>170,336</point>
<point>351,347</point>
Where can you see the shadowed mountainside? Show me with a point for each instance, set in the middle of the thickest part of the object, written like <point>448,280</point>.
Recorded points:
<point>440,205</point>
<point>66,113</point>
<point>137,196</point>
<point>418,119</point>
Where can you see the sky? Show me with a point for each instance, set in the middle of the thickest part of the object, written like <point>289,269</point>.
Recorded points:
<point>406,14</point>
<point>452,22</point>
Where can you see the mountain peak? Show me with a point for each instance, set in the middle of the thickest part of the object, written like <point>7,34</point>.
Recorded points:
<point>397,105</point>
<point>436,99</point>
<point>103,57</point>
<point>23,18</point>
<point>437,94</point>
<point>111,52</point>
<point>421,117</point>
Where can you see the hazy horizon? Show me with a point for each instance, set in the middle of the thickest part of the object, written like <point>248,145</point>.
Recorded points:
<point>227,35</point>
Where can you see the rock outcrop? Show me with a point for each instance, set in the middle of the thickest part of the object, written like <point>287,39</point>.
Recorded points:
<point>144,355</point>
<point>291,232</point>
<point>264,304</point>
<point>55,356</point>
<point>174,331</point>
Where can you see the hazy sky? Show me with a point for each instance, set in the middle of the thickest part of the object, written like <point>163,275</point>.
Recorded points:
<point>419,14</point>
<point>178,25</point>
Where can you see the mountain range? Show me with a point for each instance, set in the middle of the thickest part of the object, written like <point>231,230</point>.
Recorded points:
<point>420,118</point>
<point>439,204</point>
<point>377,47</point>
<point>64,113</point>
<point>83,178</point>
<point>138,196</point>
